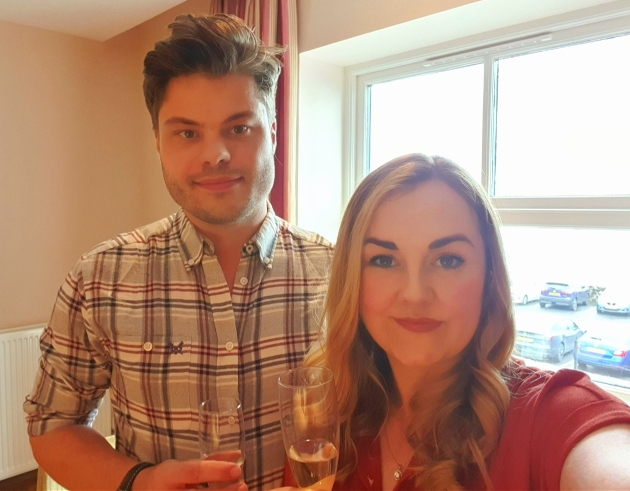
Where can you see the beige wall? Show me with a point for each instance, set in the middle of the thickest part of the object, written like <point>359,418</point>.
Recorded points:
<point>77,158</point>
<point>322,22</point>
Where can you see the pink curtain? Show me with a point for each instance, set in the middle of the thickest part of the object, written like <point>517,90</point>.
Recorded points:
<point>275,22</point>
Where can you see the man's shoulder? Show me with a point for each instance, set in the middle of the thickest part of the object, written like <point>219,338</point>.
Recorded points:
<point>292,233</point>
<point>307,251</point>
<point>136,239</point>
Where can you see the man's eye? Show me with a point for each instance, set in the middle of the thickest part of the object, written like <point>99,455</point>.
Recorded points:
<point>188,134</point>
<point>241,129</point>
<point>450,261</point>
<point>382,261</point>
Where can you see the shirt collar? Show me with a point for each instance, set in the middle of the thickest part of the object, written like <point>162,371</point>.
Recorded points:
<point>191,242</point>
<point>264,241</point>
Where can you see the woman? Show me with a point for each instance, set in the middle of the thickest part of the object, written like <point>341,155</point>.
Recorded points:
<point>429,394</point>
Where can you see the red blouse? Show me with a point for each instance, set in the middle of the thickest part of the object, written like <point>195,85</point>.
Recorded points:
<point>548,415</point>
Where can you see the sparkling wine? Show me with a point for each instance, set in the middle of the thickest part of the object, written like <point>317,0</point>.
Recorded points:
<point>314,464</point>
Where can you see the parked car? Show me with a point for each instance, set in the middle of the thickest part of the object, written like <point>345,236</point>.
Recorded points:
<point>563,294</point>
<point>547,341</point>
<point>607,348</point>
<point>614,300</point>
<point>524,293</point>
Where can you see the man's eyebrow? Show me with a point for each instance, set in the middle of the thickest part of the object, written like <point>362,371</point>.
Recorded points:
<point>381,243</point>
<point>192,122</point>
<point>436,244</point>
<point>243,114</point>
<point>180,120</point>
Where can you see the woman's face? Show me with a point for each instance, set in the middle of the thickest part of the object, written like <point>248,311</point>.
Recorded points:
<point>422,279</point>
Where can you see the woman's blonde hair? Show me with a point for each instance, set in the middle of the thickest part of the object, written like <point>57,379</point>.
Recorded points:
<point>457,422</point>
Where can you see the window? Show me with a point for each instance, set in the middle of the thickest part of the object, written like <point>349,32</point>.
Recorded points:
<point>453,102</point>
<point>562,119</point>
<point>542,121</point>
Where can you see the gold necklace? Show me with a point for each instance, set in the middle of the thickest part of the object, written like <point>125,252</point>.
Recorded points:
<point>398,472</point>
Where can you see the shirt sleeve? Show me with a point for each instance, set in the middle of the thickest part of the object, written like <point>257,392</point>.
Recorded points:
<point>570,408</point>
<point>74,371</point>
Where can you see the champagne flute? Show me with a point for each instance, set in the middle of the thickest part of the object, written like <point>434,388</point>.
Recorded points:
<point>222,434</point>
<point>310,425</point>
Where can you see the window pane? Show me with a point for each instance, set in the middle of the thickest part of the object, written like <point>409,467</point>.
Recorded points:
<point>563,122</point>
<point>437,113</point>
<point>563,278</point>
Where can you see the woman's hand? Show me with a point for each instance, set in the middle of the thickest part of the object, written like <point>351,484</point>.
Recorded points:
<point>189,474</point>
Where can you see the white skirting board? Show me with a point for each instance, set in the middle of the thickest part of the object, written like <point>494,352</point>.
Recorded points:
<point>19,355</point>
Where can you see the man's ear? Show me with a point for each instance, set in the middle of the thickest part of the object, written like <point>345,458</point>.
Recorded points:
<point>274,139</point>
<point>156,133</point>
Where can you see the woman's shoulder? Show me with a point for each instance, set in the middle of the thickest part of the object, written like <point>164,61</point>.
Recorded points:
<point>549,413</point>
<point>531,382</point>
<point>552,409</point>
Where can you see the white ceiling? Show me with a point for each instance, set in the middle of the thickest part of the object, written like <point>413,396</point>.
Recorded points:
<point>103,19</point>
<point>92,19</point>
<point>468,20</point>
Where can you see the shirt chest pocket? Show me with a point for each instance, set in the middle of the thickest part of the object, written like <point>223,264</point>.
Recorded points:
<point>151,381</point>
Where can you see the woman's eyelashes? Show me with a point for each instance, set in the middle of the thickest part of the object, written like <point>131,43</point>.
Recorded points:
<point>450,261</point>
<point>445,261</point>
<point>381,261</point>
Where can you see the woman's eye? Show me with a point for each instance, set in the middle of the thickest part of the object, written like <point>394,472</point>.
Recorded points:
<point>450,262</point>
<point>382,261</point>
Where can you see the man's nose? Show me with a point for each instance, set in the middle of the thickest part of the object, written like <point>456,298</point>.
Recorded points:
<point>215,151</point>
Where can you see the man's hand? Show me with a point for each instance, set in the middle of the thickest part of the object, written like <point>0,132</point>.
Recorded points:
<point>190,474</point>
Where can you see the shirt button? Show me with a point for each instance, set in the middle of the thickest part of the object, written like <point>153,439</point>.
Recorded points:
<point>229,346</point>
<point>243,281</point>
<point>231,420</point>
<point>147,346</point>
<point>266,260</point>
<point>191,262</point>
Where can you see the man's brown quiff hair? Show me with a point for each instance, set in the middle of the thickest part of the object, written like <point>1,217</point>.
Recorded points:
<point>216,45</point>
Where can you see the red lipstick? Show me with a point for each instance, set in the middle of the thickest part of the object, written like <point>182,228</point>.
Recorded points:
<point>419,325</point>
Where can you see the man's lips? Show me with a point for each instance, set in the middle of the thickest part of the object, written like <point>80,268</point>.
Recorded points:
<point>418,325</point>
<point>219,184</point>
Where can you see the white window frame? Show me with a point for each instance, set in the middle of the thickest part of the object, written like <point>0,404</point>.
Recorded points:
<point>583,212</point>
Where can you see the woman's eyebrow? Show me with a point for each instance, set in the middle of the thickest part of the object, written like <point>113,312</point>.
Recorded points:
<point>436,244</point>
<point>381,243</point>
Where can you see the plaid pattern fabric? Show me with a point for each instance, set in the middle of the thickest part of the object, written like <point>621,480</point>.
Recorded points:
<point>149,315</point>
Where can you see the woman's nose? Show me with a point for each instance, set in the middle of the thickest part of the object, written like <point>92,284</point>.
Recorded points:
<point>417,287</point>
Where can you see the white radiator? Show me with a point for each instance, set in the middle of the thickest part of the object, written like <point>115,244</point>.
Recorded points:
<point>19,355</point>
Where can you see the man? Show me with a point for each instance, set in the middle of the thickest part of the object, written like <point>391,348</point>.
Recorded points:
<point>216,300</point>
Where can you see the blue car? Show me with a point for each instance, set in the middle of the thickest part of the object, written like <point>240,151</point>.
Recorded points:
<point>606,348</point>
<point>563,294</point>
<point>547,342</point>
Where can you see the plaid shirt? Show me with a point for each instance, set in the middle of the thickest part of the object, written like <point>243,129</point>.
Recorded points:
<point>149,315</point>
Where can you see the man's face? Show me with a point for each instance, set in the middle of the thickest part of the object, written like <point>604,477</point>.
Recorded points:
<point>216,143</point>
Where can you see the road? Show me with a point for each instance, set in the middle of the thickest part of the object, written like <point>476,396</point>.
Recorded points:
<point>587,318</point>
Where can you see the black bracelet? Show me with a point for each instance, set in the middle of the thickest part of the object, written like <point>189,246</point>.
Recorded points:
<point>131,475</point>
